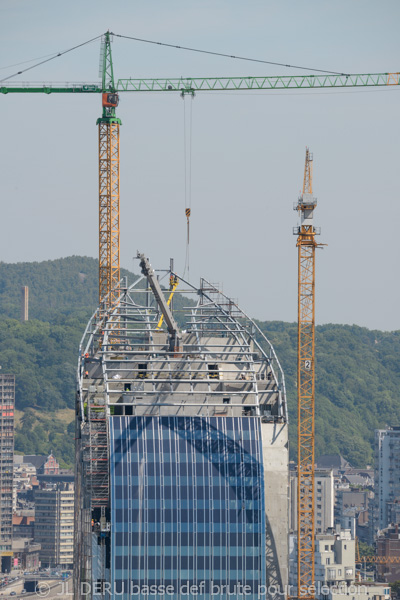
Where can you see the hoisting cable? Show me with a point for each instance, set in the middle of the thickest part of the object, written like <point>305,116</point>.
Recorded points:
<point>187,150</point>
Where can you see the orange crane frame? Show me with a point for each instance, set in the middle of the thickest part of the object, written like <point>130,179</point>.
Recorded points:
<point>109,211</point>
<point>306,245</point>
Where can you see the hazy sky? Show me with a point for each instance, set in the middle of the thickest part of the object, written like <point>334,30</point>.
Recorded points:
<point>247,148</point>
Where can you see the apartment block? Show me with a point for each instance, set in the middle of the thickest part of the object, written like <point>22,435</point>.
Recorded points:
<point>335,557</point>
<point>324,498</point>
<point>334,560</point>
<point>387,477</point>
<point>388,545</point>
<point>54,524</point>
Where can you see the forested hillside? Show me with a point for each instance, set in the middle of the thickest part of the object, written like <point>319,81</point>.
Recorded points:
<point>64,286</point>
<point>357,383</point>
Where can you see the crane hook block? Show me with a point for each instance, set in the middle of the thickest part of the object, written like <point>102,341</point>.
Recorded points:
<point>110,100</point>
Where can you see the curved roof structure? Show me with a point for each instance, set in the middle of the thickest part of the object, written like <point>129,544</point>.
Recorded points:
<point>223,364</point>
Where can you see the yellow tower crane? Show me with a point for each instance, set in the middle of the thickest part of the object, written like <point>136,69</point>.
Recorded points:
<point>306,245</point>
<point>109,217</point>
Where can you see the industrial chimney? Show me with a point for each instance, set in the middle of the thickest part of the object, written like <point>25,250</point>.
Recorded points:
<point>24,303</point>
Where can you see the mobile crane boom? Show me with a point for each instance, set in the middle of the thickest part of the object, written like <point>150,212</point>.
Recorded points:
<point>172,325</point>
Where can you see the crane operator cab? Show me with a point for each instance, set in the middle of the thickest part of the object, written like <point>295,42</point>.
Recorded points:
<point>110,100</point>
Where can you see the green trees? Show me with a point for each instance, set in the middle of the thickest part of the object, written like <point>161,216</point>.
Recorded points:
<point>366,549</point>
<point>357,385</point>
<point>42,356</point>
<point>41,432</point>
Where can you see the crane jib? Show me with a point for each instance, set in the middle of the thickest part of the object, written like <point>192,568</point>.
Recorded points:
<point>208,84</point>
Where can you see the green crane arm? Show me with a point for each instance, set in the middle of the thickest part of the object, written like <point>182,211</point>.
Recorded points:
<point>209,84</point>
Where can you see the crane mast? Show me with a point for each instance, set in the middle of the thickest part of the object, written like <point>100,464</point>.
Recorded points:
<point>306,245</point>
<point>109,215</point>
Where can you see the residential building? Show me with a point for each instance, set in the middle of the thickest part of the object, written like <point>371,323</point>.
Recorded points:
<point>394,511</point>
<point>355,480</point>
<point>361,591</point>
<point>63,476</point>
<point>348,520</point>
<point>348,498</point>
<point>351,509</point>
<point>334,558</point>
<point>335,570</point>
<point>54,524</point>
<point>336,462</point>
<point>366,475</point>
<point>324,500</point>
<point>24,476</point>
<point>388,545</point>
<point>7,401</point>
<point>23,524</point>
<point>387,477</point>
<point>26,554</point>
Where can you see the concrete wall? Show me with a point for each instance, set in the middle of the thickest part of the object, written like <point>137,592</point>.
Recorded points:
<point>276,469</point>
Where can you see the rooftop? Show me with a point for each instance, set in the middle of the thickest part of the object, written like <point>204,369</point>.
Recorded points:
<point>205,357</point>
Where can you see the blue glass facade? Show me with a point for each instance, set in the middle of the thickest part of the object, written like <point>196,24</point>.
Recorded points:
<point>187,507</point>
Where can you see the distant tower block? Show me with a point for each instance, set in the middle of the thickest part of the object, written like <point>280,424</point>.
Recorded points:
<point>24,303</point>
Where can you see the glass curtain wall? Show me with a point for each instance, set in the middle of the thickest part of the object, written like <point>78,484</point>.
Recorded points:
<point>187,507</point>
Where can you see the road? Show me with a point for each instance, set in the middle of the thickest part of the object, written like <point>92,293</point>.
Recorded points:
<point>47,588</point>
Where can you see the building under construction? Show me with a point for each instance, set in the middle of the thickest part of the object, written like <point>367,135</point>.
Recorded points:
<point>182,448</point>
